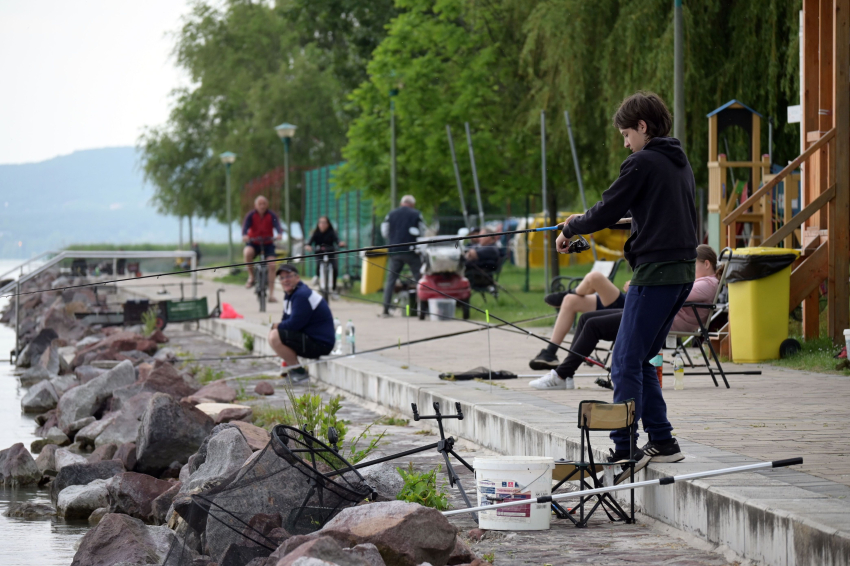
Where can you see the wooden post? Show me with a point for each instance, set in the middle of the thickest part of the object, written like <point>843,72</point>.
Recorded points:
<point>825,106</point>
<point>839,234</point>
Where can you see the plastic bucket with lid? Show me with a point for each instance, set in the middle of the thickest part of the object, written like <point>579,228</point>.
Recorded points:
<point>500,479</point>
<point>441,309</point>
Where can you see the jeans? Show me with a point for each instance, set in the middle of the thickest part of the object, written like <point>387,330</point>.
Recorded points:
<point>394,267</point>
<point>647,318</point>
<point>592,327</point>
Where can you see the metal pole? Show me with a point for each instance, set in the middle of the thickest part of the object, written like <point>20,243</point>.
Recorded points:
<point>578,177</point>
<point>286,195</point>
<point>527,249</point>
<point>229,216</point>
<point>770,140</point>
<point>545,201</point>
<point>393,187</point>
<point>475,176</point>
<point>17,320</point>
<point>457,178</point>
<point>193,264</point>
<point>678,74</point>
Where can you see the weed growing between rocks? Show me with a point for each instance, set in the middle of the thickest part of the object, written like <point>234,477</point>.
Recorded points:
<point>149,321</point>
<point>207,375</point>
<point>248,341</point>
<point>422,488</point>
<point>393,421</point>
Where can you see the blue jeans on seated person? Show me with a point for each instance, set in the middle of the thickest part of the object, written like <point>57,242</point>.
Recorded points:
<point>647,318</point>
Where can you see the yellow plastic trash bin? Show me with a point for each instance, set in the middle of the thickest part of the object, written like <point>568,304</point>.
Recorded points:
<point>373,271</point>
<point>759,288</point>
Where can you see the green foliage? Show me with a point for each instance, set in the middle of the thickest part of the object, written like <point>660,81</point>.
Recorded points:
<point>267,416</point>
<point>422,488</point>
<point>393,421</point>
<point>207,374</point>
<point>149,321</point>
<point>491,558</point>
<point>815,355</point>
<point>248,341</point>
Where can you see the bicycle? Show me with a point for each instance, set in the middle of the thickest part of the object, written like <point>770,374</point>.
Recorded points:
<point>327,272</point>
<point>261,273</point>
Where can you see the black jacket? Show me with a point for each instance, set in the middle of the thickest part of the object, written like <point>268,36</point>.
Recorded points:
<point>403,225</point>
<point>656,185</point>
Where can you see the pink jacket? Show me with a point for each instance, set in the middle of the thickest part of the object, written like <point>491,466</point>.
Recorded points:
<point>702,292</point>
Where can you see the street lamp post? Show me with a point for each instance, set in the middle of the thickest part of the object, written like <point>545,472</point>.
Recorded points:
<point>228,157</point>
<point>285,132</point>
<point>393,181</point>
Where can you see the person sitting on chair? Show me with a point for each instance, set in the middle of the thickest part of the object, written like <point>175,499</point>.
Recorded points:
<point>482,259</point>
<point>604,325</point>
<point>306,329</point>
<point>594,293</point>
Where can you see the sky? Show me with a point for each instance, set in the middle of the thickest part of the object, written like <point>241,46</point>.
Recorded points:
<point>83,74</point>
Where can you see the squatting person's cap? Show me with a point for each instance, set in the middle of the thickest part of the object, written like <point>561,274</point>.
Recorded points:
<point>286,268</point>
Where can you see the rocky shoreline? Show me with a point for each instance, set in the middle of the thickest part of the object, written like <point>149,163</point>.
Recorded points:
<point>126,430</point>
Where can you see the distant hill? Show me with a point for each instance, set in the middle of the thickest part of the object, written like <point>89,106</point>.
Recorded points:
<point>89,196</point>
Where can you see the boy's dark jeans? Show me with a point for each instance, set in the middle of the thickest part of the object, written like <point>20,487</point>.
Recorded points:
<point>592,327</point>
<point>647,318</point>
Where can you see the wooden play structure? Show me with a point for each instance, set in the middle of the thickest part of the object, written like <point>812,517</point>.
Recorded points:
<point>821,227</point>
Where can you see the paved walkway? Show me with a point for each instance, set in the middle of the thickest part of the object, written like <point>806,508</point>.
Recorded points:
<point>779,414</point>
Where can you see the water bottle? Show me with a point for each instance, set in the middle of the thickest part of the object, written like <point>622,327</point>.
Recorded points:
<point>678,373</point>
<point>349,336</point>
<point>338,337</point>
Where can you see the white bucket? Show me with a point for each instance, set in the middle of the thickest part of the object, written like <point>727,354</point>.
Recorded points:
<point>440,309</point>
<point>500,479</point>
<point>847,341</point>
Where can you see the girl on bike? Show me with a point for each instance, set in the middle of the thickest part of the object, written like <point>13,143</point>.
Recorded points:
<point>324,239</point>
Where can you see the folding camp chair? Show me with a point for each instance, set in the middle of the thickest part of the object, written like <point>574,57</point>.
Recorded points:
<point>715,309</point>
<point>597,415</point>
<point>566,283</point>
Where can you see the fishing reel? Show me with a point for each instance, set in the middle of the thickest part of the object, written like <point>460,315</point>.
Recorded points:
<point>578,245</point>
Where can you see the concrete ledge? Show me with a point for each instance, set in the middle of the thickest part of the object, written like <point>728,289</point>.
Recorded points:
<point>759,516</point>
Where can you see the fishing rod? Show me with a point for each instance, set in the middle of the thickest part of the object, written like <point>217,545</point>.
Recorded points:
<point>626,486</point>
<point>379,349</point>
<point>576,246</point>
<point>381,248</point>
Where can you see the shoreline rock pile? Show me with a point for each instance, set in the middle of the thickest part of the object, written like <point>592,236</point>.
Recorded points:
<point>124,434</point>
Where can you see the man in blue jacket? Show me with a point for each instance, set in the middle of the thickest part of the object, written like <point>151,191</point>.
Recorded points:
<point>306,329</point>
<point>655,188</point>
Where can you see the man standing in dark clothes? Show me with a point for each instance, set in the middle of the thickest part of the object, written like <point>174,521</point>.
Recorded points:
<point>401,226</point>
<point>656,186</point>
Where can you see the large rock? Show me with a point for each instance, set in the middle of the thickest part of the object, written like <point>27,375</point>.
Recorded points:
<point>215,392</point>
<point>49,360</point>
<point>63,383</point>
<point>126,454</point>
<point>40,398</point>
<point>17,467</point>
<point>133,494</point>
<point>122,539</point>
<point>87,435</point>
<point>86,400</point>
<point>34,375</point>
<point>264,388</point>
<point>78,501</point>
<point>47,459</point>
<point>162,503</point>
<point>169,432</point>
<point>65,457</point>
<point>37,347</point>
<point>406,534</point>
<point>114,343</point>
<point>226,453</point>
<point>256,437</point>
<point>125,427</point>
<point>29,510</point>
<point>163,378</point>
<point>82,474</point>
<point>87,373</point>
<point>102,453</point>
<point>385,479</point>
<point>237,413</point>
<point>322,548</point>
<point>54,436</point>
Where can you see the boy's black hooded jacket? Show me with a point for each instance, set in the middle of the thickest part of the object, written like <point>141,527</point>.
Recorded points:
<point>656,185</point>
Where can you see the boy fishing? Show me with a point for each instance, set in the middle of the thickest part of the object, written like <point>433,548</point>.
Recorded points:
<point>655,188</point>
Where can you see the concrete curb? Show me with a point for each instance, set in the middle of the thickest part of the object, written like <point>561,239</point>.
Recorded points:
<point>760,516</point>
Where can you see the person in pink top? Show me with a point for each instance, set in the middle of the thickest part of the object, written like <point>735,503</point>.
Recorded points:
<point>703,291</point>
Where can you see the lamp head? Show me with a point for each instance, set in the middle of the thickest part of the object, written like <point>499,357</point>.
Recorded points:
<point>286,130</point>
<point>228,157</point>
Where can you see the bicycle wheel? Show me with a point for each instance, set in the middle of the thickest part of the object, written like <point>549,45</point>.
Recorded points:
<point>261,285</point>
<point>323,281</point>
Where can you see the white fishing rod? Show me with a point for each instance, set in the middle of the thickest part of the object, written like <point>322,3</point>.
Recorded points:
<point>626,486</point>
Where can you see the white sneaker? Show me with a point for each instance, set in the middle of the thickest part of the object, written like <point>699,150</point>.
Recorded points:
<point>552,381</point>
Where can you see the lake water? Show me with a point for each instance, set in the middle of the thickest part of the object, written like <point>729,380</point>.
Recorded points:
<point>47,542</point>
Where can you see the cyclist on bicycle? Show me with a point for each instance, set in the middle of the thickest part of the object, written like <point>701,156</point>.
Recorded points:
<point>258,231</point>
<point>324,239</point>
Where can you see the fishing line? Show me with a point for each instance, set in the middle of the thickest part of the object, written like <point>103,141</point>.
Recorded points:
<point>588,360</point>
<point>381,248</point>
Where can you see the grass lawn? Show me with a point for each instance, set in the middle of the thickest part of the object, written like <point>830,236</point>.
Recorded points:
<point>816,355</point>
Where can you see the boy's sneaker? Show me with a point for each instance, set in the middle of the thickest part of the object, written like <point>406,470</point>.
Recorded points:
<point>663,451</point>
<point>641,460</point>
<point>544,360</point>
<point>297,375</point>
<point>552,381</point>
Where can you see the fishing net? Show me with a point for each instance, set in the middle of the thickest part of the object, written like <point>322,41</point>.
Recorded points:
<point>294,485</point>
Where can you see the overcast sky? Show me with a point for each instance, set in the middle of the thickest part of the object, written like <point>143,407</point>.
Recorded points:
<point>83,74</point>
